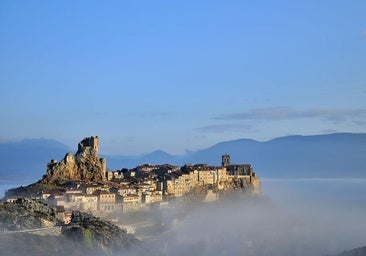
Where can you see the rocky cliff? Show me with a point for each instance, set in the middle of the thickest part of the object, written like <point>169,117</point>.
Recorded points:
<point>84,165</point>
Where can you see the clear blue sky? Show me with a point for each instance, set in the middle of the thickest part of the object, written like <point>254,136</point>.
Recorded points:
<point>180,75</point>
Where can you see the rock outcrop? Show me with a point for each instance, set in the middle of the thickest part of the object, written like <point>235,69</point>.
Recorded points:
<point>94,231</point>
<point>238,184</point>
<point>25,214</point>
<point>84,165</point>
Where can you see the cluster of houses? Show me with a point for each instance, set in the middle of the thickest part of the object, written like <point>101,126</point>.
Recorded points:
<point>130,190</point>
<point>135,189</point>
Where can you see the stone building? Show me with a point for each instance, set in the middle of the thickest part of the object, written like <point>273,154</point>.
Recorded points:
<point>111,175</point>
<point>243,172</point>
<point>106,201</point>
<point>89,203</point>
<point>130,203</point>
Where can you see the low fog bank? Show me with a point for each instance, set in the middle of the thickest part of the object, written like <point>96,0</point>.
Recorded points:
<point>316,196</point>
<point>260,228</point>
<point>293,217</point>
<point>295,225</point>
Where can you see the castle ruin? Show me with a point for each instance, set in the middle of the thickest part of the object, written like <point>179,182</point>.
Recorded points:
<point>84,165</point>
<point>89,143</point>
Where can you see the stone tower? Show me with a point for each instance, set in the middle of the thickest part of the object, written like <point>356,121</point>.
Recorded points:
<point>103,162</point>
<point>89,142</point>
<point>225,160</point>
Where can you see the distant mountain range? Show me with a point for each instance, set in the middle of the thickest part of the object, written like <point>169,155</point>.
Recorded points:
<point>26,160</point>
<point>322,156</point>
<point>360,251</point>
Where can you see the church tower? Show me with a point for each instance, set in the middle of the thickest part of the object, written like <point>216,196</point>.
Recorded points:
<point>225,160</point>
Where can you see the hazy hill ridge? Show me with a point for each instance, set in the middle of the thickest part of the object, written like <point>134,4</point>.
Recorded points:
<point>361,251</point>
<point>332,155</point>
<point>26,160</point>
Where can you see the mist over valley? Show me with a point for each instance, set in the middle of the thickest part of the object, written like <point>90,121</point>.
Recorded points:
<point>310,210</point>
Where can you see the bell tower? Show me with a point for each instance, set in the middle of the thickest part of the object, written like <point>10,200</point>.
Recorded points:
<point>225,160</point>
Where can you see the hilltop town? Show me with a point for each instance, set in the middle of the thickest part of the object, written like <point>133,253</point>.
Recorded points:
<point>82,182</point>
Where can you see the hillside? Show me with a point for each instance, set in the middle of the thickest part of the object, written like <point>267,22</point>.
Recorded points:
<point>86,234</point>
